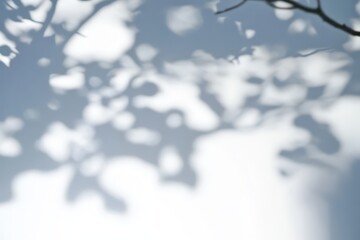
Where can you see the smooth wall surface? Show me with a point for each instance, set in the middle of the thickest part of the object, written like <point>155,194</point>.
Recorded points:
<point>134,119</point>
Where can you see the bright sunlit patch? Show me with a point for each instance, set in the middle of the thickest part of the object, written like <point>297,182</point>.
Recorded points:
<point>302,26</point>
<point>143,136</point>
<point>170,161</point>
<point>343,115</point>
<point>60,143</point>
<point>287,96</point>
<point>181,96</point>
<point>93,165</point>
<point>353,44</point>
<point>73,80</point>
<point>11,124</point>
<point>8,50</point>
<point>249,118</point>
<point>146,52</point>
<point>71,13</point>
<point>250,33</point>
<point>104,38</point>
<point>39,209</point>
<point>181,20</point>
<point>95,113</point>
<point>9,147</point>
<point>123,121</point>
<point>284,14</point>
<point>22,29</point>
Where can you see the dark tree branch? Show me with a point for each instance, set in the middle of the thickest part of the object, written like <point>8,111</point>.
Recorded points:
<point>96,9</point>
<point>231,8</point>
<point>313,52</point>
<point>49,18</point>
<point>312,10</point>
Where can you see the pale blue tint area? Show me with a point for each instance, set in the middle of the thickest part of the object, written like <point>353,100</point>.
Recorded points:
<point>170,122</point>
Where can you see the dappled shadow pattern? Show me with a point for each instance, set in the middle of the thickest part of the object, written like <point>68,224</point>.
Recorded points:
<point>208,56</point>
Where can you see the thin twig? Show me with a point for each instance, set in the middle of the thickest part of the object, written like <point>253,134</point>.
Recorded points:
<point>314,52</point>
<point>231,8</point>
<point>319,11</point>
<point>98,7</point>
<point>312,10</point>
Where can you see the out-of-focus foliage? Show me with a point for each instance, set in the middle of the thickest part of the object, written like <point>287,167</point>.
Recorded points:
<point>84,82</point>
